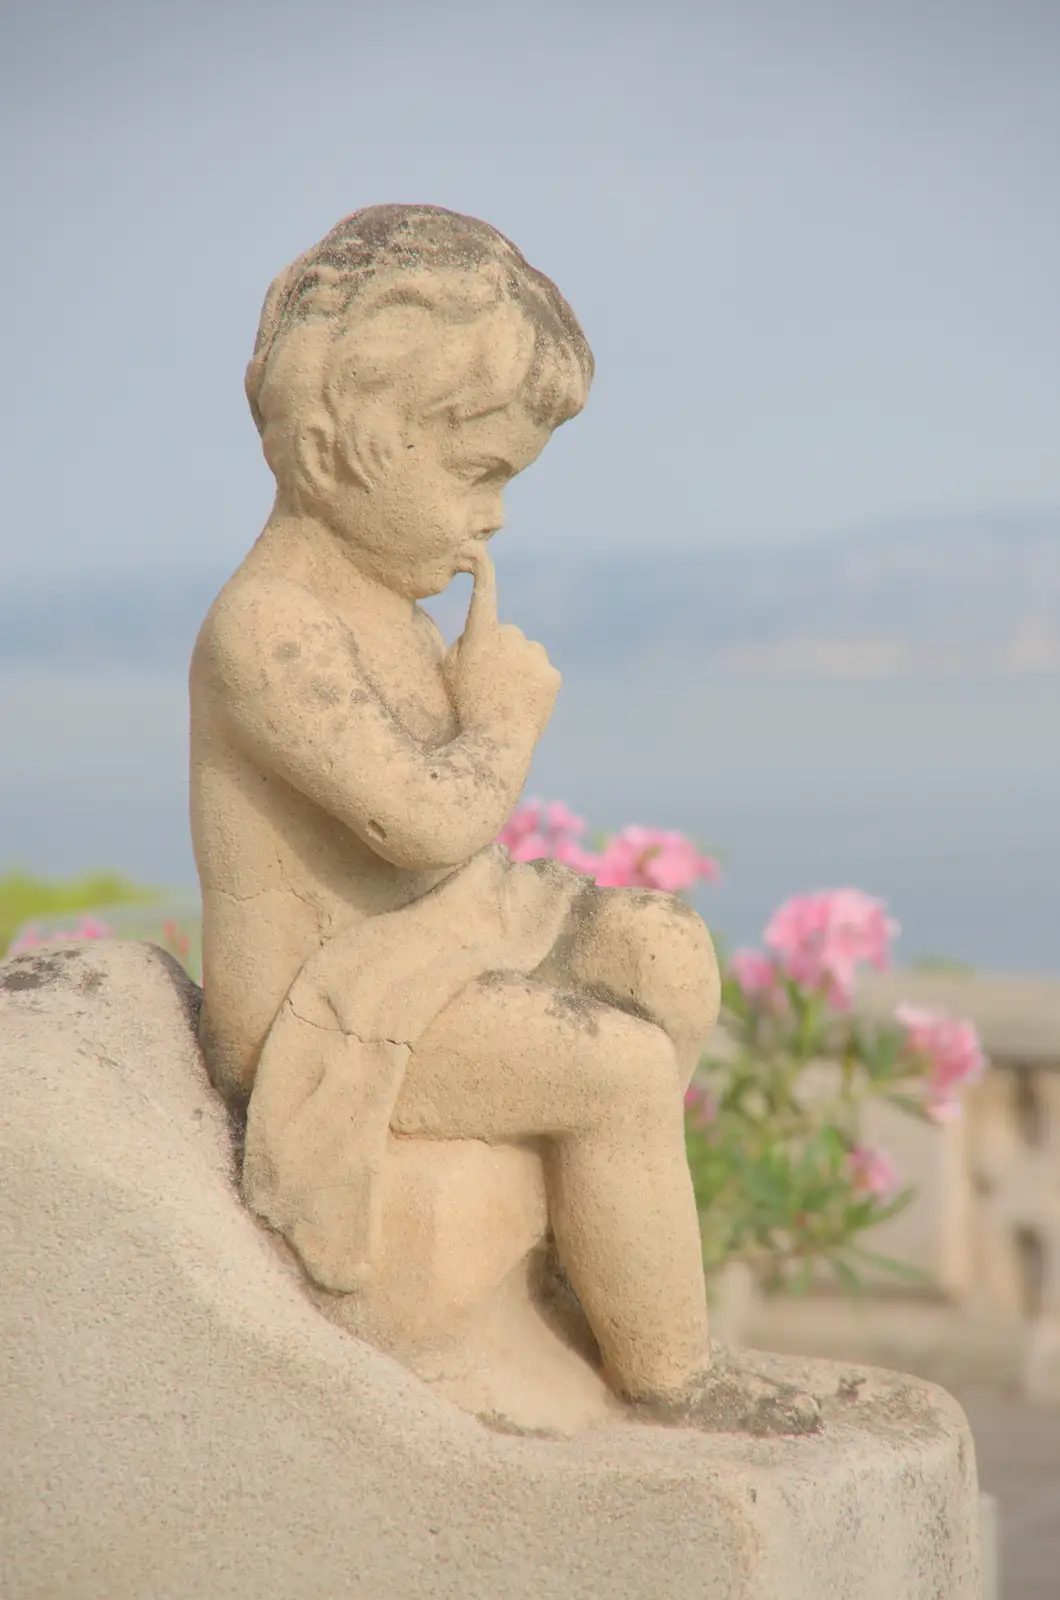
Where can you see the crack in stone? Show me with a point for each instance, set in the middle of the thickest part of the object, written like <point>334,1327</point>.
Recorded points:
<point>347,1033</point>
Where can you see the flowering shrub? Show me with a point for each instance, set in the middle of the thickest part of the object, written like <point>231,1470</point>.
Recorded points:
<point>783,1179</point>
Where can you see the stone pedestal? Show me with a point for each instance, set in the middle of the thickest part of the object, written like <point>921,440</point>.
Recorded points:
<point>178,1419</point>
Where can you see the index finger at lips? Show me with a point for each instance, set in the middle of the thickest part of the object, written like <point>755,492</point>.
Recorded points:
<point>482,612</point>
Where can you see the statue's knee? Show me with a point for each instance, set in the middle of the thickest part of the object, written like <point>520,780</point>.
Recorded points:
<point>632,1071</point>
<point>693,971</point>
<point>666,949</point>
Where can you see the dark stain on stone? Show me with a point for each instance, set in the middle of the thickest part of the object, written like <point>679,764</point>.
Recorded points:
<point>37,971</point>
<point>325,692</point>
<point>580,1010</point>
<point>627,1003</point>
<point>237,1129</point>
<point>290,650</point>
<point>14,981</point>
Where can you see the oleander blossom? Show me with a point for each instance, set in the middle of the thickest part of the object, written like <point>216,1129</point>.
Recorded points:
<point>872,1172</point>
<point>89,927</point>
<point>653,858</point>
<point>755,973</point>
<point>820,940</point>
<point>637,858</point>
<point>537,829</point>
<point>952,1051</point>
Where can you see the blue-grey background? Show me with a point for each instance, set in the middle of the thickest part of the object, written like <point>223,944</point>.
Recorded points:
<point>800,557</point>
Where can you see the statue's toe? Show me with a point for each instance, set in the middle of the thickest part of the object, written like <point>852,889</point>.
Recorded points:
<point>729,1398</point>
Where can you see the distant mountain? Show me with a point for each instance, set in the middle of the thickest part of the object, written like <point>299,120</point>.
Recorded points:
<point>960,594</point>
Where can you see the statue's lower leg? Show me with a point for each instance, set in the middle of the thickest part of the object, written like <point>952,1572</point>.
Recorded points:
<point>512,1059</point>
<point>643,1291</point>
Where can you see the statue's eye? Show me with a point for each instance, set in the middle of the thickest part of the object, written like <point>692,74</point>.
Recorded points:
<point>479,473</point>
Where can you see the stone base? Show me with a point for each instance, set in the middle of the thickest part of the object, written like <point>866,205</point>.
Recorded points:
<point>179,1420</point>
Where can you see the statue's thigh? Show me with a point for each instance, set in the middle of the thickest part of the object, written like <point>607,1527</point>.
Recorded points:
<point>513,1058</point>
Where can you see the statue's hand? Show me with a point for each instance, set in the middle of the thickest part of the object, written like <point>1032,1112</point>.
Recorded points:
<point>496,675</point>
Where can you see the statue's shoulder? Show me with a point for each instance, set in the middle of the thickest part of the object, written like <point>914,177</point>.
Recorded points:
<point>265,620</point>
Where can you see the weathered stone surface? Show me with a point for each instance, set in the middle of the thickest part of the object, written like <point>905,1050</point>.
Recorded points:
<point>179,1421</point>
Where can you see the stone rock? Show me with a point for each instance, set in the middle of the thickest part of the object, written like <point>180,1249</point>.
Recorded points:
<point>179,1421</point>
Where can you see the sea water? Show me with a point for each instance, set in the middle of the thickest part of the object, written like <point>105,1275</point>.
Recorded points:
<point>941,796</point>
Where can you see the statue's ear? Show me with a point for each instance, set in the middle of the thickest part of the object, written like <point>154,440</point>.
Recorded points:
<point>375,448</point>
<point>324,459</point>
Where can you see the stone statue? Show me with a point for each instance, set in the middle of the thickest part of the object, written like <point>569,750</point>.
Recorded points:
<point>463,1077</point>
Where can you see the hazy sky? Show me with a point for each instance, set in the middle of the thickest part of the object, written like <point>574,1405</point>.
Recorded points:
<point>816,248</point>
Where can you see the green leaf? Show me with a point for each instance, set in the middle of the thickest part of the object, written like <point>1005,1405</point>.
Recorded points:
<point>880,1055</point>
<point>800,1282</point>
<point>912,1107</point>
<point>898,1269</point>
<point>892,1207</point>
<point>848,1278</point>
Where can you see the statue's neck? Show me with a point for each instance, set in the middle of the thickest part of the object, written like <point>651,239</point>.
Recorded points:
<point>308,551</point>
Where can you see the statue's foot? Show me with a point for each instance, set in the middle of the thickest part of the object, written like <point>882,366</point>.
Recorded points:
<point>730,1398</point>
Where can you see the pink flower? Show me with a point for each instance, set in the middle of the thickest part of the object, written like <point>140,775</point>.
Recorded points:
<point>521,829</point>
<point>535,830</point>
<point>528,847</point>
<point>560,820</point>
<point>571,854</point>
<point>176,941</point>
<point>753,971</point>
<point>822,939</point>
<point>953,1053</point>
<point>872,1172</point>
<point>644,858</point>
<point>652,858</point>
<point>700,1106</point>
<point>88,928</point>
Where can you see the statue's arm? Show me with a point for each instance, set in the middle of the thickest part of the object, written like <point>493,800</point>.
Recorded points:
<point>284,673</point>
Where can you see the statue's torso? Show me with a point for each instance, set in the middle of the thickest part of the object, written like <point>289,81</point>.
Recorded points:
<point>279,875</point>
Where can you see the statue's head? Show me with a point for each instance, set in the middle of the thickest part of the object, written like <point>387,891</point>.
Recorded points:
<point>405,369</point>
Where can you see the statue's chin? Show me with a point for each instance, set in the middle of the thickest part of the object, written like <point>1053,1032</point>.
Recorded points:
<point>461,564</point>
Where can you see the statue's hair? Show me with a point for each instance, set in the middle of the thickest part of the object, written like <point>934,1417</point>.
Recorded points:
<point>388,277</point>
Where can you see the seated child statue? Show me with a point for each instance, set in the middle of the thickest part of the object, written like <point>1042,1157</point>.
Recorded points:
<point>375,966</point>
